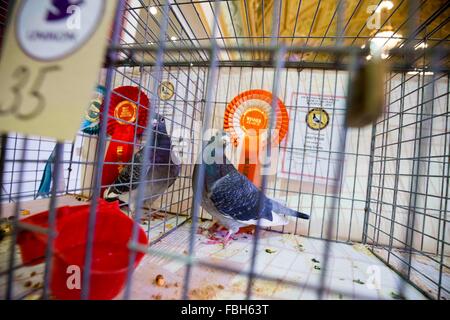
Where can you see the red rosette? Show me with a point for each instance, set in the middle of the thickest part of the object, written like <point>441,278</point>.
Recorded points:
<point>120,150</point>
<point>128,105</point>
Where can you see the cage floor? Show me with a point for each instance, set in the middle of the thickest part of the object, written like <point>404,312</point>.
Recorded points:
<point>424,270</point>
<point>285,257</point>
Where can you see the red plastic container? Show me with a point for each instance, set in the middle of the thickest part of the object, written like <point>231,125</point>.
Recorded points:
<point>33,244</point>
<point>110,256</point>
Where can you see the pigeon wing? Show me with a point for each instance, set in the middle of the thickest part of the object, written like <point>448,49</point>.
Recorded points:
<point>129,173</point>
<point>236,197</point>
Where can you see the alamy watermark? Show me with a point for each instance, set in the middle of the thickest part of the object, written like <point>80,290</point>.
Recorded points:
<point>73,281</point>
<point>215,146</point>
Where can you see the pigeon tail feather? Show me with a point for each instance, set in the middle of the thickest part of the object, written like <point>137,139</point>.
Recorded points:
<point>280,209</point>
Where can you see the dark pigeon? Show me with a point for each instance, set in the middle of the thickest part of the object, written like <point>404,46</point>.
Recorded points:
<point>162,172</point>
<point>231,198</point>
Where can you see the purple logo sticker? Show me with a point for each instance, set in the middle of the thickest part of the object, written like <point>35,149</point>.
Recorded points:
<point>49,30</point>
<point>59,9</point>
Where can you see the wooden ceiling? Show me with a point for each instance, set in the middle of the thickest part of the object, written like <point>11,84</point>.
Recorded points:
<point>314,22</point>
<point>309,19</point>
<point>301,22</point>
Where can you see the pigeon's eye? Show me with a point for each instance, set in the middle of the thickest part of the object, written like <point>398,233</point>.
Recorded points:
<point>162,119</point>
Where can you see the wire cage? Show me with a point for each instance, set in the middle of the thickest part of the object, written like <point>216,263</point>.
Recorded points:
<point>3,16</point>
<point>377,195</point>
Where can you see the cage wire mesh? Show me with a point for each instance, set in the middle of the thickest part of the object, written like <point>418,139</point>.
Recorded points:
<point>383,187</point>
<point>3,17</point>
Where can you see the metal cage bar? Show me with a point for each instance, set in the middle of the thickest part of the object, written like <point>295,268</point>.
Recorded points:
<point>386,185</point>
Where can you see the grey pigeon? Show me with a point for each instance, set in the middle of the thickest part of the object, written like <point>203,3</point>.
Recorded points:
<point>162,172</point>
<point>231,198</point>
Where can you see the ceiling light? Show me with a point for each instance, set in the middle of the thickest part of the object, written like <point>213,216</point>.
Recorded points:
<point>173,38</point>
<point>421,45</point>
<point>384,41</point>
<point>153,10</point>
<point>424,73</point>
<point>368,57</point>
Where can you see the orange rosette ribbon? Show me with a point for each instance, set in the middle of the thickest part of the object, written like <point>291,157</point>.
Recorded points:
<point>128,114</point>
<point>246,118</point>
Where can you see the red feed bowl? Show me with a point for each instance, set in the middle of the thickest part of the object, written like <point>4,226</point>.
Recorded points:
<point>110,258</point>
<point>32,244</point>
